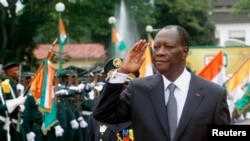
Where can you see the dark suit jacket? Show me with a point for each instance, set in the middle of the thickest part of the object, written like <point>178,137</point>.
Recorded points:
<point>93,130</point>
<point>143,103</point>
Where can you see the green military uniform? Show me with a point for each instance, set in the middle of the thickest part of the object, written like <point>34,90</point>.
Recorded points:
<point>64,110</point>
<point>32,119</point>
<point>75,108</point>
<point>3,132</point>
<point>10,92</point>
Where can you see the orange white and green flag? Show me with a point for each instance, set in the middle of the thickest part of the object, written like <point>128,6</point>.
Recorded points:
<point>215,71</point>
<point>62,34</point>
<point>243,103</point>
<point>115,38</point>
<point>118,41</point>
<point>42,90</point>
<point>47,86</point>
<point>147,66</point>
<point>42,85</point>
<point>236,85</point>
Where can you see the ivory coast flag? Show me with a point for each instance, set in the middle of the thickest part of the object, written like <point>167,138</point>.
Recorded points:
<point>36,84</point>
<point>47,86</point>
<point>118,41</point>
<point>146,68</point>
<point>114,36</point>
<point>42,90</point>
<point>215,70</point>
<point>237,83</point>
<point>62,34</point>
<point>244,102</point>
<point>42,85</point>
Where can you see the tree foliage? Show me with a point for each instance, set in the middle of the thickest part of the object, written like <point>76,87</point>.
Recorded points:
<point>86,21</point>
<point>191,14</point>
<point>242,7</point>
<point>19,28</point>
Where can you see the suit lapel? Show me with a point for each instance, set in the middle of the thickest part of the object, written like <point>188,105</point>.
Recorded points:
<point>193,100</point>
<point>156,94</point>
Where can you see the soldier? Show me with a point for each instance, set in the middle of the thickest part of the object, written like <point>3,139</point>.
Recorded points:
<point>66,116</point>
<point>75,105</point>
<point>32,121</point>
<point>11,100</point>
<point>96,130</point>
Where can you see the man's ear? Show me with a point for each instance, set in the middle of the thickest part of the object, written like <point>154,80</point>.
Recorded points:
<point>185,51</point>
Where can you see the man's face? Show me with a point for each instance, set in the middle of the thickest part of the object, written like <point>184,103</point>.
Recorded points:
<point>169,53</point>
<point>13,73</point>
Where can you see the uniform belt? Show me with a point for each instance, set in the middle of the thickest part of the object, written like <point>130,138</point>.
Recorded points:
<point>4,119</point>
<point>87,112</point>
<point>37,124</point>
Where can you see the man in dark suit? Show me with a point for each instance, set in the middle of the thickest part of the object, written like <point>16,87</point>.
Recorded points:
<point>145,101</point>
<point>96,130</point>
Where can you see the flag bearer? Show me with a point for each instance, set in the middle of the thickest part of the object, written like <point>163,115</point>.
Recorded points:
<point>12,103</point>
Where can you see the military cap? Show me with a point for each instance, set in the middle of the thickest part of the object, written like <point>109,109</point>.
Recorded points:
<point>65,73</point>
<point>114,63</point>
<point>90,73</point>
<point>98,71</point>
<point>28,75</point>
<point>9,66</point>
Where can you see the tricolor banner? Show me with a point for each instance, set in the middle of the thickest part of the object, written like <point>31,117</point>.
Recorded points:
<point>42,85</point>
<point>147,66</point>
<point>42,90</point>
<point>118,41</point>
<point>62,34</point>
<point>47,86</point>
<point>215,70</point>
<point>237,84</point>
<point>244,102</point>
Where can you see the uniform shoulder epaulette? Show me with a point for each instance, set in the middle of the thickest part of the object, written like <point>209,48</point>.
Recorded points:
<point>6,86</point>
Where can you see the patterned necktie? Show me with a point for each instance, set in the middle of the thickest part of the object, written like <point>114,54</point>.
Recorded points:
<point>172,111</point>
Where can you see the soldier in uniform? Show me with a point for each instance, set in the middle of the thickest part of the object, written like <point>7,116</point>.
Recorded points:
<point>31,116</point>
<point>12,102</point>
<point>67,117</point>
<point>76,105</point>
<point>98,131</point>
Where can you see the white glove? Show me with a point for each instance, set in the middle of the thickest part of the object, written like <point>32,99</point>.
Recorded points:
<point>30,136</point>
<point>13,103</point>
<point>80,86</point>
<point>75,88</point>
<point>62,92</point>
<point>82,122</point>
<point>21,108</point>
<point>20,88</point>
<point>98,88</point>
<point>74,124</point>
<point>59,131</point>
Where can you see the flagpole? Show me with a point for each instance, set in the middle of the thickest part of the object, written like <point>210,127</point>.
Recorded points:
<point>60,46</point>
<point>60,8</point>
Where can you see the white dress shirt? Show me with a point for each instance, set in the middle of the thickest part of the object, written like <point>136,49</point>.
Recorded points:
<point>181,90</point>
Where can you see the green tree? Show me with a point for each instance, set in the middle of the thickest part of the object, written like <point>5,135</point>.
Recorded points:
<point>86,21</point>
<point>191,14</point>
<point>242,7</point>
<point>19,28</point>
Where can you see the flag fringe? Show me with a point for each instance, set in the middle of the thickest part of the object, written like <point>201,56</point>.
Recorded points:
<point>45,130</point>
